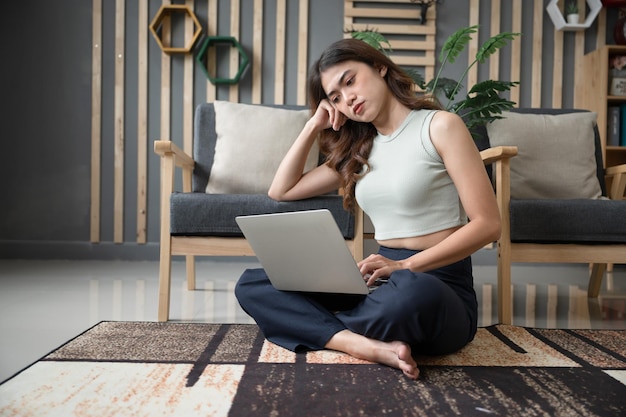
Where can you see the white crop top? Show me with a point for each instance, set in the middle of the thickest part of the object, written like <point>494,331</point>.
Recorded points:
<point>408,191</point>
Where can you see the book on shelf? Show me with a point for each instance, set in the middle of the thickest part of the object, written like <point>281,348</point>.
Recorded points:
<point>614,129</point>
<point>616,125</point>
<point>622,136</point>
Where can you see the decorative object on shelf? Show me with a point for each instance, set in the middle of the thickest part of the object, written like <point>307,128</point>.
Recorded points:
<point>617,75</point>
<point>559,21</point>
<point>571,11</point>
<point>618,87</point>
<point>229,40</point>
<point>424,5</point>
<point>165,14</point>
<point>483,103</point>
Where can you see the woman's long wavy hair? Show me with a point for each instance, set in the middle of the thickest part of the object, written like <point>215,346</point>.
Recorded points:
<point>348,149</point>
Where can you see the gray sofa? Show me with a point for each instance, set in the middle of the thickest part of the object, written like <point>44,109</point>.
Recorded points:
<point>565,220</point>
<point>564,213</point>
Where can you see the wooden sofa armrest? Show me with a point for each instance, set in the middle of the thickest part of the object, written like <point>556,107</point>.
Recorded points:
<point>498,153</point>
<point>166,147</point>
<point>616,170</point>
<point>171,157</point>
<point>500,156</point>
<point>616,176</point>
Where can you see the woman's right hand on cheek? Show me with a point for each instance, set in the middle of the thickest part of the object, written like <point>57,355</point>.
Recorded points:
<point>328,116</point>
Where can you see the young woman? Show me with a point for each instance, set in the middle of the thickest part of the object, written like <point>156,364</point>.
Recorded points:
<point>416,172</point>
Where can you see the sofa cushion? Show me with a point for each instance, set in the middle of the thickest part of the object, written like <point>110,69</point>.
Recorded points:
<point>200,214</point>
<point>251,142</point>
<point>556,154</point>
<point>568,221</point>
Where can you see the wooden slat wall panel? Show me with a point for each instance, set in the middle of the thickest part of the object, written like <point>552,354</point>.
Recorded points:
<point>472,49</point>
<point>516,48</point>
<point>494,67</point>
<point>118,134</point>
<point>257,48</point>
<point>235,7</point>
<point>378,13</point>
<point>279,80</point>
<point>211,30</point>
<point>188,99</point>
<point>537,38</point>
<point>412,45</point>
<point>142,122</point>
<point>166,74</point>
<point>399,29</point>
<point>303,36</point>
<point>96,119</point>
<point>557,70</point>
<point>579,49</point>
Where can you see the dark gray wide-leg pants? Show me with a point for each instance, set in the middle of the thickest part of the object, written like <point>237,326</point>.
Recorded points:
<point>435,312</point>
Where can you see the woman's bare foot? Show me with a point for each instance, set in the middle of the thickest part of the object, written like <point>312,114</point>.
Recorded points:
<point>394,354</point>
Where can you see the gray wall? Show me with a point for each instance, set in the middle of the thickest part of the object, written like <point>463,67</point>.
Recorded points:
<point>45,80</point>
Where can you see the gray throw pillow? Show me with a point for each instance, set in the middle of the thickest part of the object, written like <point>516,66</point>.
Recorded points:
<point>556,154</point>
<point>251,142</point>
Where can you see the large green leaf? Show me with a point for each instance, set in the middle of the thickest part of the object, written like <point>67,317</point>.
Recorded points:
<point>446,86</point>
<point>417,77</point>
<point>373,39</point>
<point>492,87</point>
<point>455,44</point>
<point>493,44</point>
<point>483,109</point>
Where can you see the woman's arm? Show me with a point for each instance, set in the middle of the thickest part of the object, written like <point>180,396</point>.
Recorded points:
<point>290,183</point>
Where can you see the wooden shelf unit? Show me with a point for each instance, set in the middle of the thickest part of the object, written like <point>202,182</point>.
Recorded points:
<point>594,96</point>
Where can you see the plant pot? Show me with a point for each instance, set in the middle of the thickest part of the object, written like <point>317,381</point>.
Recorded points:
<point>573,19</point>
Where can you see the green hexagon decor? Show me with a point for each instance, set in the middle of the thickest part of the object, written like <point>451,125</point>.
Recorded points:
<point>212,40</point>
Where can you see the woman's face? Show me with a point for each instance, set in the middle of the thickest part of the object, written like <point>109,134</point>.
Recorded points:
<point>357,90</point>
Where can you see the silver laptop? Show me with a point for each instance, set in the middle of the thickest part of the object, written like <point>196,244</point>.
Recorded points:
<point>303,251</point>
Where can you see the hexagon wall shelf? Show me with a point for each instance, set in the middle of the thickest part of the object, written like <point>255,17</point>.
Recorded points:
<point>559,21</point>
<point>166,12</point>
<point>212,40</point>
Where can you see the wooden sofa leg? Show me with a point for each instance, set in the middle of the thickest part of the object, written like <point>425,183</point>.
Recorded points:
<point>595,280</point>
<point>165,279</point>
<point>504,287</point>
<point>190,262</point>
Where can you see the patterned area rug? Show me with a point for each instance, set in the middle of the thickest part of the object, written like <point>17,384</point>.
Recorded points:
<point>174,369</point>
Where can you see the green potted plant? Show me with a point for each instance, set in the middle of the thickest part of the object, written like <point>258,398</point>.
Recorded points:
<point>482,104</point>
<point>571,11</point>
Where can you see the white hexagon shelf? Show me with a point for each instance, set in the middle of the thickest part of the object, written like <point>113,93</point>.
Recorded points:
<point>559,21</point>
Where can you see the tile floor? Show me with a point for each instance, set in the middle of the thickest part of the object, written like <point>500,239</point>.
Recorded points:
<point>43,304</point>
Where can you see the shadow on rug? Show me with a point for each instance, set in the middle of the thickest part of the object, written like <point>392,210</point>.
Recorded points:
<point>175,369</point>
